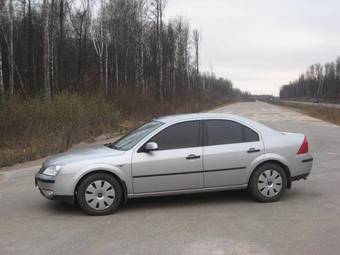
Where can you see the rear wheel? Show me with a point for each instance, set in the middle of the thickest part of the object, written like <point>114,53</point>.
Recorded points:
<point>99,194</point>
<point>268,183</point>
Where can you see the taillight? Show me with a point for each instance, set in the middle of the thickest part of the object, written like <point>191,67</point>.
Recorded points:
<point>304,147</point>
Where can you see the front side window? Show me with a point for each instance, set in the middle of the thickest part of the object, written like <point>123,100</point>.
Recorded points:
<point>228,132</point>
<point>128,141</point>
<point>181,135</point>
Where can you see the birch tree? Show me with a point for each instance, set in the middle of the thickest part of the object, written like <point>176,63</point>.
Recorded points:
<point>319,81</point>
<point>113,24</point>
<point>158,6</point>
<point>125,45</point>
<point>99,43</point>
<point>79,17</point>
<point>196,39</point>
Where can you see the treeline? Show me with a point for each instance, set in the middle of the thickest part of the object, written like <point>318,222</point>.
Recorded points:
<point>111,46</point>
<point>319,81</point>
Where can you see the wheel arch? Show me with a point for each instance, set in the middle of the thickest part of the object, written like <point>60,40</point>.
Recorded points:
<point>274,161</point>
<point>120,181</point>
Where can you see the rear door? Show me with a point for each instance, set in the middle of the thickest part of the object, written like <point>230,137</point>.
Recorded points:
<point>229,149</point>
<point>177,165</point>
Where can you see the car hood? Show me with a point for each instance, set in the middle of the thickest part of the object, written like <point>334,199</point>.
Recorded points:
<point>76,155</point>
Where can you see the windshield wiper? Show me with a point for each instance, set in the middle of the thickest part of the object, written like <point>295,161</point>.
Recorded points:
<point>111,146</point>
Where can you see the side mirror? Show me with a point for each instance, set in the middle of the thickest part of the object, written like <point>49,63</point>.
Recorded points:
<point>151,146</point>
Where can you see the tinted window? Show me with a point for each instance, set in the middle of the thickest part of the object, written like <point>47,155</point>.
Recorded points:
<point>182,135</point>
<point>135,136</point>
<point>227,132</point>
<point>250,135</point>
<point>223,132</point>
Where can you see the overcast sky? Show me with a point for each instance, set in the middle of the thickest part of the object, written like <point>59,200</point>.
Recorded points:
<point>262,44</point>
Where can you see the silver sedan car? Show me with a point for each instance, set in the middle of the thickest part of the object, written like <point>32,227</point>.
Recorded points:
<point>175,155</point>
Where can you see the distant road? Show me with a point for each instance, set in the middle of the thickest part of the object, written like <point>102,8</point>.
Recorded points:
<point>305,221</point>
<point>313,104</point>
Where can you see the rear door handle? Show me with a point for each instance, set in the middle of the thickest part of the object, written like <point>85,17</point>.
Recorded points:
<point>192,156</point>
<point>252,150</point>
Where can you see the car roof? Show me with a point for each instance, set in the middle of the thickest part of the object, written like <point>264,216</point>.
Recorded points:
<point>200,116</point>
<point>196,116</point>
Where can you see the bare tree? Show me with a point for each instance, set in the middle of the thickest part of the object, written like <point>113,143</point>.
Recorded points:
<point>2,85</point>
<point>182,56</point>
<point>46,51</point>
<point>106,67</point>
<point>52,41</point>
<point>99,43</point>
<point>140,31</point>
<point>113,31</point>
<point>11,48</point>
<point>60,46</point>
<point>337,75</point>
<point>78,18</point>
<point>31,79</point>
<point>319,81</point>
<point>159,5</point>
<point>196,39</point>
<point>127,29</point>
<point>53,45</point>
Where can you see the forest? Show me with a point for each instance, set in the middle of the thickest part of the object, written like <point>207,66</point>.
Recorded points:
<point>318,82</point>
<point>111,46</point>
<point>74,69</point>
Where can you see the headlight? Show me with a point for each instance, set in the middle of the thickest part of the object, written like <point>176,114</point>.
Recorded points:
<point>52,170</point>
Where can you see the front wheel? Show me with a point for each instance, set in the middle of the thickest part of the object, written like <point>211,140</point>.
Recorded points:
<point>99,194</point>
<point>268,183</point>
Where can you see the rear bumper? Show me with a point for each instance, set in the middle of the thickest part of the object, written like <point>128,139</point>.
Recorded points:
<point>307,160</point>
<point>303,168</point>
<point>299,177</point>
<point>45,184</point>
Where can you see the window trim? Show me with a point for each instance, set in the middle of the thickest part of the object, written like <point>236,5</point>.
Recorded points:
<point>205,132</point>
<point>200,136</point>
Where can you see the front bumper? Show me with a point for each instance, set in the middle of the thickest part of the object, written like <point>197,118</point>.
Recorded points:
<point>45,183</point>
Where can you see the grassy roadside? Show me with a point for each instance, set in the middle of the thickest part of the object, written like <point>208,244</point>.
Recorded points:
<point>320,112</point>
<point>32,128</point>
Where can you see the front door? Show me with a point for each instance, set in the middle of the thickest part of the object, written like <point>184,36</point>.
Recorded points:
<point>230,148</point>
<point>177,165</point>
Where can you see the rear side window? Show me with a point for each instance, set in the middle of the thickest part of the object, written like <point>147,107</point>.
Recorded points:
<point>181,135</point>
<point>250,135</point>
<point>228,132</point>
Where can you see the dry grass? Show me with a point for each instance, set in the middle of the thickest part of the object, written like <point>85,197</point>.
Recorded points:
<point>32,128</point>
<point>320,112</point>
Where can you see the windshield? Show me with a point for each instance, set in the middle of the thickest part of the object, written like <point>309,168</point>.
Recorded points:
<point>131,139</point>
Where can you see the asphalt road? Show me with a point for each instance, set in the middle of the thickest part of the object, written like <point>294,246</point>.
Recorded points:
<point>305,221</point>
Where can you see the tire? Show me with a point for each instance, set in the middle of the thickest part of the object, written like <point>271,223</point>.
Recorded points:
<point>268,183</point>
<point>99,194</point>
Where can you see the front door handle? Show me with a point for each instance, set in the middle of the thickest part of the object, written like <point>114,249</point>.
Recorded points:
<point>192,156</point>
<point>252,150</point>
